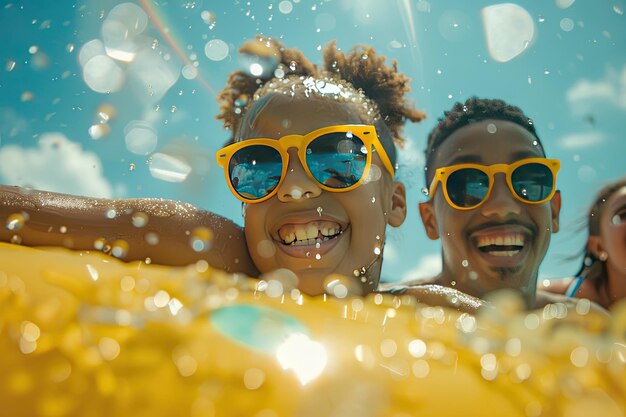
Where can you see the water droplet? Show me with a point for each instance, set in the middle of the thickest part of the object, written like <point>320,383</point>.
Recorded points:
<point>617,219</point>
<point>319,211</point>
<point>152,238</point>
<point>16,221</point>
<point>566,24</point>
<point>173,109</point>
<point>208,18</point>
<point>491,128</point>
<point>111,214</point>
<point>296,194</point>
<point>292,65</point>
<point>318,245</point>
<point>10,65</point>
<point>617,8</point>
<point>201,239</point>
<point>169,168</point>
<point>541,19</point>
<point>425,191</point>
<point>131,166</point>
<point>63,229</point>
<point>465,263</point>
<point>377,251</point>
<point>119,249</point>
<point>285,7</point>
<point>364,56</point>
<point>17,239</point>
<point>216,50</point>
<point>373,199</point>
<point>318,256</point>
<point>139,219</point>
<point>453,283</point>
<point>99,243</point>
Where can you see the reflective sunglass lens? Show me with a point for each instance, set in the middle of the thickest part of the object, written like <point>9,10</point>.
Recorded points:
<point>337,160</point>
<point>467,187</point>
<point>532,182</point>
<point>255,171</point>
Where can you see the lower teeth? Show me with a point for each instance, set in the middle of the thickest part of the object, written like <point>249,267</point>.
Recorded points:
<point>308,242</point>
<point>504,252</point>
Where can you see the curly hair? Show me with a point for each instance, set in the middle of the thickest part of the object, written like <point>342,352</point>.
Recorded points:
<point>593,268</point>
<point>377,90</point>
<point>472,111</point>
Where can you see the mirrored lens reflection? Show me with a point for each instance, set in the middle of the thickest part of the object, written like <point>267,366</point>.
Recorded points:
<point>532,182</point>
<point>255,171</point>
<point>467,187</point>
<point>337,160</point>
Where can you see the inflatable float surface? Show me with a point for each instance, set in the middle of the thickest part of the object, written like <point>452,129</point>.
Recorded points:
<point>84,334</point>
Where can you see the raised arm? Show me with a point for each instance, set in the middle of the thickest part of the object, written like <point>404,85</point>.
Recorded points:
<point>167,232</point>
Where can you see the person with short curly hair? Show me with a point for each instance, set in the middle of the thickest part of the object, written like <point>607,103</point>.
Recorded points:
<point>493,200</point>
<point>313,157</point>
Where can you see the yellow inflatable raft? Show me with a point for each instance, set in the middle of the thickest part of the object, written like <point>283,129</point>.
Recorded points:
<point>87,335</point>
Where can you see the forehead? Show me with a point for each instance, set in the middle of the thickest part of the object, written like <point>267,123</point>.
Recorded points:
<point>488,142</point>
<point>280,115</point>
<point>618,199</point>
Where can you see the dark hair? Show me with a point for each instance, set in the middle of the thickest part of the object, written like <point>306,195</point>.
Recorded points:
<point>593,268</point>
<point>472,111</point>
<point>378,88</point>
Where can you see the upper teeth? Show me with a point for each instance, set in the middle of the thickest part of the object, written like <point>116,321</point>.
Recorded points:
<point>307,233</point>
<point>515,239</point>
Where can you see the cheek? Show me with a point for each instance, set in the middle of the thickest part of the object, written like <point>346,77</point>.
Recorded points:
<point>254,224</point>
<point>616,243</point>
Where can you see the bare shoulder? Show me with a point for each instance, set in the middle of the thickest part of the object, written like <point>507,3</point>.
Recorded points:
<point>545,298</point>
<point>437,295</point>
<point>385,286</point>
<point>556,286</point>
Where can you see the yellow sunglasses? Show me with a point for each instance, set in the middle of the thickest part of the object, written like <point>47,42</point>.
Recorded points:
<point>467,186</point>
<point>338,158</point>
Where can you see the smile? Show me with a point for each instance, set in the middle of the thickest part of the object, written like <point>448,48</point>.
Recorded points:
<point>505,244</point>
<point>309,234</point>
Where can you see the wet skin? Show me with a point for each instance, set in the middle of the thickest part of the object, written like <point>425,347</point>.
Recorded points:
<point>465,266</point>
<point>612,240</point>
<point>354,221</point>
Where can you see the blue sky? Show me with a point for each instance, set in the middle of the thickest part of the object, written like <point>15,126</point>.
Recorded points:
<point>150,119</point>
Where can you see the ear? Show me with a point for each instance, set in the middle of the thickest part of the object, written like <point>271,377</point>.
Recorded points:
<point>555,204</point>
<point>397,214</point>
<point>427,212</point>
<point>594,245</point>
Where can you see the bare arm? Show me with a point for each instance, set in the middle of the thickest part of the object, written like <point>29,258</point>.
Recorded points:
<point>167,232</point>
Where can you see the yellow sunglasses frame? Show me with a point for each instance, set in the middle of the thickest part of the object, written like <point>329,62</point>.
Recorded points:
<point>366,133</point>
<point>442,174</point>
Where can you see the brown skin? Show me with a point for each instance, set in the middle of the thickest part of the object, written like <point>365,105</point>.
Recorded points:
<point>362,213</point>
<point>83,223</point>
<point>612,241</point>
<point>500,215</point>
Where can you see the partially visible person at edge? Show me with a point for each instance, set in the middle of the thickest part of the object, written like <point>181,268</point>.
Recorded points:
<point>602,274</point>
<point>493,200</point>
<point>312,156</point>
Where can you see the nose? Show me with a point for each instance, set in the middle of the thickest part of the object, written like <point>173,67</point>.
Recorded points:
<point>297,185</point>
<point>501,203</point>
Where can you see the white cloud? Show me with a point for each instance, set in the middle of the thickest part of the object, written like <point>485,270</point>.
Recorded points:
<point>57,164</point>
<point>427,266</point>
<point>585,94</point>
<point>580,140</point>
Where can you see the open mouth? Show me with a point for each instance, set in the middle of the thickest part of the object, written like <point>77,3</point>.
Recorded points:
<point>309,234</point>
<point>501,244</point>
